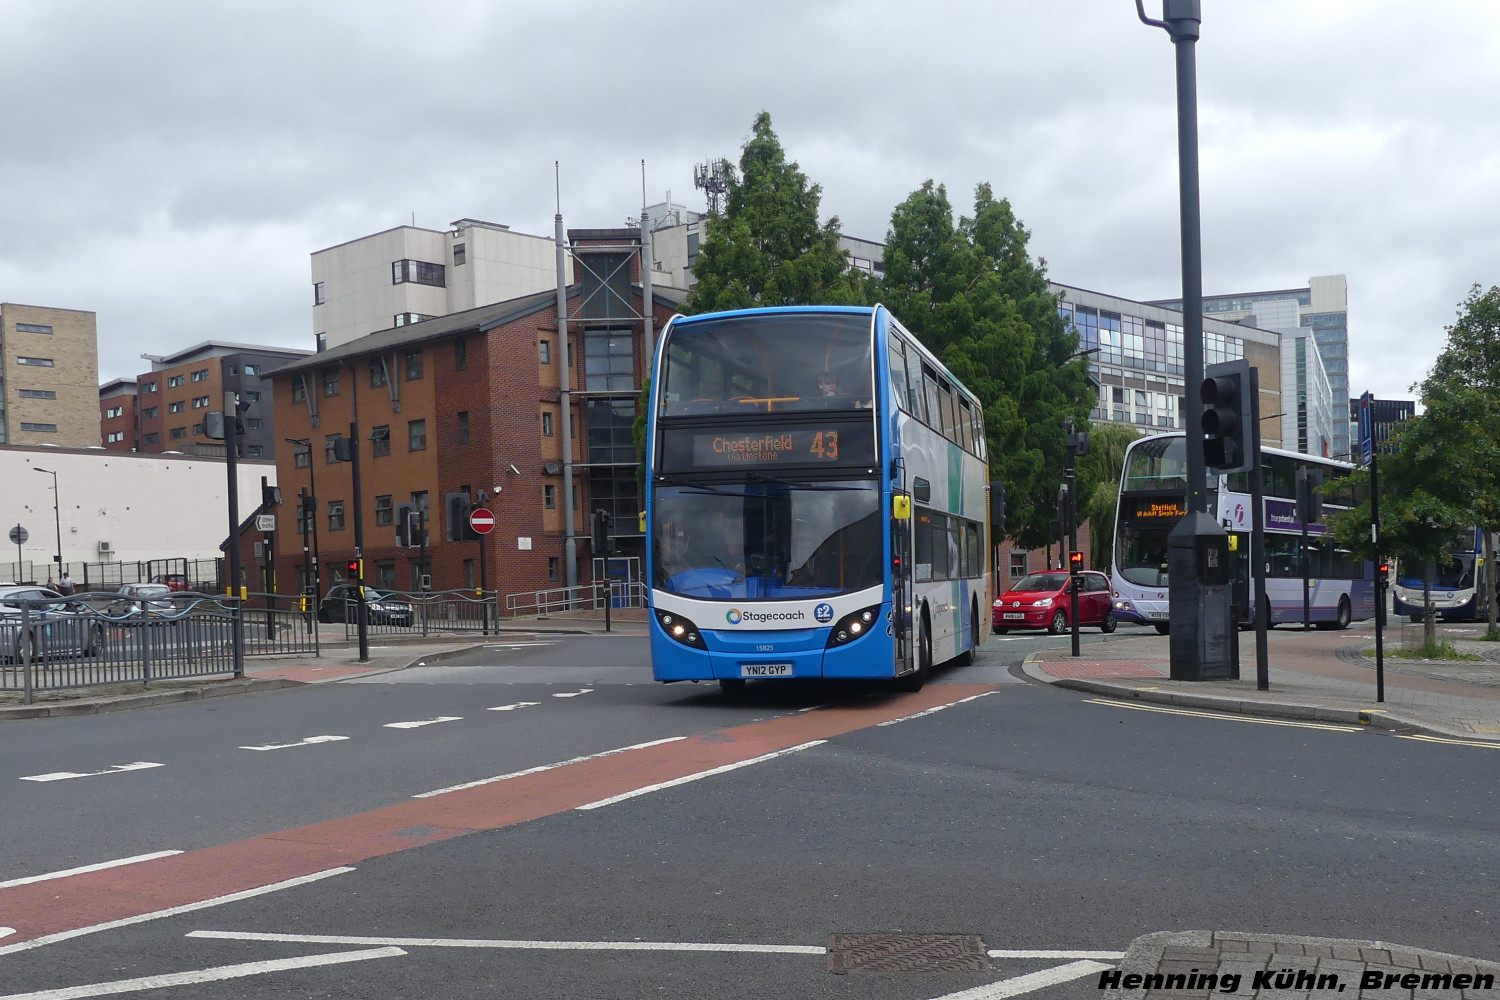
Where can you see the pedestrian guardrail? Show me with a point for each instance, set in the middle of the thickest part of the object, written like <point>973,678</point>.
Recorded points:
<point>405,612</point>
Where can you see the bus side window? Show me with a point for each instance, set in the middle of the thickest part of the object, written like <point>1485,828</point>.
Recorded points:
<point>930,401</point>
<point>965,424</point>
<point>897,355</point>
<point>924,547</point>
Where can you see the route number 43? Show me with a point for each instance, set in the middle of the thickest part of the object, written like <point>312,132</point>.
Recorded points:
<point>825,444</point>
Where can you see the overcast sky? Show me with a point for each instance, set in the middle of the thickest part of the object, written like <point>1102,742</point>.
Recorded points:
<point>171,166</point>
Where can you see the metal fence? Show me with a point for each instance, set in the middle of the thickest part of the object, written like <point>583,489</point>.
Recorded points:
<point>407,613</point>
<point>586,599</point>
<point>97,639</point>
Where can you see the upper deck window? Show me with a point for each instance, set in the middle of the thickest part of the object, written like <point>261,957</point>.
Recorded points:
<point>777,362</point>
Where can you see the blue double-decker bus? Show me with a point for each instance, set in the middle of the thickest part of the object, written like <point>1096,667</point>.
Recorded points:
<point>815,500</point>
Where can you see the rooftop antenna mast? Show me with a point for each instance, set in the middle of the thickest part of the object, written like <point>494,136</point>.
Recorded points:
<point>709,178</point>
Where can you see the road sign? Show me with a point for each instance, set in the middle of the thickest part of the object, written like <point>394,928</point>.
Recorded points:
<point>481,520</point>
<point>265,522</point>
<point>18,535</point>
<point>1366,427</point>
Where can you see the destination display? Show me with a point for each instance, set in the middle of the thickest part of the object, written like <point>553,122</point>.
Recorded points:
<point>824,443</point>
<point>1154,509</point>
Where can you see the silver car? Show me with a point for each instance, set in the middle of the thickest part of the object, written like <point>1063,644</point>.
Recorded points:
<point>138,602</point>
<point>37,622</point>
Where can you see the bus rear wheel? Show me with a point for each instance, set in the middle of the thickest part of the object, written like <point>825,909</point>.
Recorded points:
<point>966,658</point>
<point>1344,614</point>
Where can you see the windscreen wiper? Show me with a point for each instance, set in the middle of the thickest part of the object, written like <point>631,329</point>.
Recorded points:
<point>688,484</point>
<point>811,487</point>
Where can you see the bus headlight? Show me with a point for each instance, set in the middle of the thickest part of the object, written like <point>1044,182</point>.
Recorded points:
<point>851,627</point>
<point>681,629</point>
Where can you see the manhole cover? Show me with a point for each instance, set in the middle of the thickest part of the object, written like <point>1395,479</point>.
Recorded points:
<point>888,953</point>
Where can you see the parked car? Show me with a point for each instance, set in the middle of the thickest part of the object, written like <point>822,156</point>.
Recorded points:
<point>144,601</point>
<point>1042,600</point>
<point>53,625</point>
<point>173,581</point>
<point>381,608</point>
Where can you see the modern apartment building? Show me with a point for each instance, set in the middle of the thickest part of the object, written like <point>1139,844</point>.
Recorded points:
<point>408,274</point>
<point>1323,308</point>
<point>119,423</point>
<point>180,389</point>
<point>50,372</point>
<point>472,403</point>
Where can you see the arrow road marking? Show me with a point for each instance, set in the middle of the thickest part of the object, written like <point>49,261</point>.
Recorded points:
<point>284,746</point>
<point>1022,984</point>
<point>574,694</point>
<point>139,765</point>
<point>512,708</point>
<point>86,868</point>
<point>213,975</point>
<point>424,722</point>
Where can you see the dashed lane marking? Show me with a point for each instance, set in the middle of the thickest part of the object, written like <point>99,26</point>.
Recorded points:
<point>544,767</point>
<point>723,769</point>
<point>1225,718</point>
<point>935,709</point>
<point>1106,956</point>
<point>139,765</point>
<point>424,722</point>
<point>503,944</point>
<point>310,741</point>
<point>213,975</point>
<point>86,868</point>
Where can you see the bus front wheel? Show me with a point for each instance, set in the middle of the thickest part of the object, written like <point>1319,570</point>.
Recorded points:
<point>913,681</point>
<point>732,687</point>
<point>1162,628</point>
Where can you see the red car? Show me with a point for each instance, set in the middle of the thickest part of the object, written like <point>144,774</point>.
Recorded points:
<point>1041,600</point>
<point>174,581</point>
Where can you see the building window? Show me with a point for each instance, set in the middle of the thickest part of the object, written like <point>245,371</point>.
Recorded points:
<point>299,391</point>
<point>460,354</point>
<point>335,515</point>
<point>413,365</point>
<point>301,457</point>
<point>1017,565</point>
<point>460,255</point>
<point>176,407</point>
<point>549,496</point>
<point>114,436</point>
<point>151,438</point>
<point>385,574</point>
<point>463,426</point>
<point>255,450</point>
<point>250,397</point>
<point>384,511</point>
<point>201,375</point>
<point>320,342</point>
<point>35,362</point>
<point>49,394</point>
<point>330,443</point>
<point>197,430</point>
<point>546,424</point>
<point>200,402</point>
<point>32,328</point>
<point>252,369</point>
<point>407,319</point>
<point>173,381</point>
<point>544,350</point>
<point>377,373</point>
<point>148,387</point>
<point>554,564</point>
<point>254,423</point>
<point>418,272</point>
<point>416,435</point>
<point>380,441</point>
<point>177,432</point>
<point>113,411</point>
<point>318,293</point>
<point>608,360</point>
<point>331,382</point>
<point>40,428</point>
<point>151,412</point>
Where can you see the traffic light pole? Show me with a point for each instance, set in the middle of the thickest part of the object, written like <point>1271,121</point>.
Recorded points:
<point>231,455</point>
<point>1262,609</point>
<point>1070,525</point>
<point>361,612</point>
<point>1382,578</point>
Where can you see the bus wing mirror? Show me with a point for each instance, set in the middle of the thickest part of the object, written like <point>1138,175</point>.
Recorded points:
<point>901,508</point>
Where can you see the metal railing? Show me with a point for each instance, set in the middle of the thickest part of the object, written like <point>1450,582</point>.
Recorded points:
<point>586,599</point>
<point>98,639</point>
<point>406,613</point>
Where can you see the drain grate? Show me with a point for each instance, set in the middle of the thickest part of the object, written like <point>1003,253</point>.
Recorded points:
<point>894,953</point>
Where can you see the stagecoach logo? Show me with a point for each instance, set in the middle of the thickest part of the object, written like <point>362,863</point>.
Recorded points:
<point>733,617</point>
<point>823,612</point>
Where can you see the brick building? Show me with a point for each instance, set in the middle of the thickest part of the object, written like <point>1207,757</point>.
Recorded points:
<point>119,423</point>
<point>471,403</point>
<point>50,379</point>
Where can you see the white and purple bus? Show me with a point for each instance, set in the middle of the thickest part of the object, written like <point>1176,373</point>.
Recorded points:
<point>1153,489</point>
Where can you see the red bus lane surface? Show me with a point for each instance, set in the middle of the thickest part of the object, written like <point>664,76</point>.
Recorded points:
<point>63,905</point>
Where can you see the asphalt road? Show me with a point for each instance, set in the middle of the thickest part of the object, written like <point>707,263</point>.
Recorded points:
<point>1038,819</point>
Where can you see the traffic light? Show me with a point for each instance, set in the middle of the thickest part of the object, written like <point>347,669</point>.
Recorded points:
<point>1309,495</point>
<point>1075,562</point>
<point>601,532</point>
<point>459,506</point>
<point>1383,573</point>
<point>356,570</point>
<point>997,506</point>
<point>1226,416</point>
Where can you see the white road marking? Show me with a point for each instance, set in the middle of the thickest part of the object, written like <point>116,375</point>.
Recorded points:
<point>213,975</point>
<point>1225,718</point>
<point>301,743</point>
<point>694,777</point>
<point>934,710</point>
<point>424,722</point>
<point>86,868</point>
<point>139,765</point>
<point>520,645</point>
<point>173,911</point>
<point>7,931</point>
<point>1024,984</point>
<point>574,694</point>
<point>400,942</point>
<point>1107,956</point>
<point>544,767</point>
<point>512,708</point>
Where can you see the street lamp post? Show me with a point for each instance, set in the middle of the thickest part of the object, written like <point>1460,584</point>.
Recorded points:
<point>56,515</point>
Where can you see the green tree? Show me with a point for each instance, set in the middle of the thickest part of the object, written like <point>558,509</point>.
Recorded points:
<point>1099,487</point>
<point>975,297</point>
<point>768,248</point>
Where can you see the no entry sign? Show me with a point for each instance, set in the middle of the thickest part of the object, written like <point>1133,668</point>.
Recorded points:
<point>481,520</point>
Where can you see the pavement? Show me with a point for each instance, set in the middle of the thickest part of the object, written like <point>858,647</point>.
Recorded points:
<point>1316,675</point>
